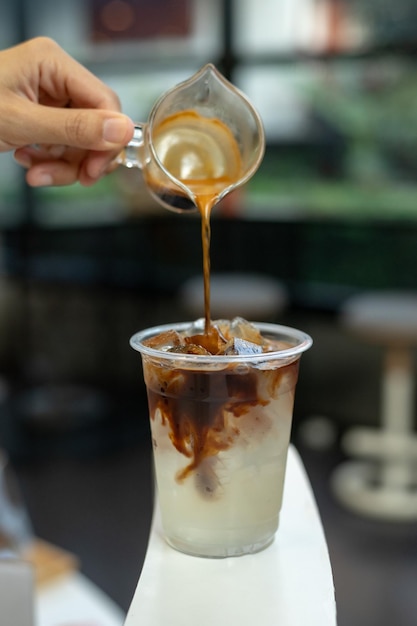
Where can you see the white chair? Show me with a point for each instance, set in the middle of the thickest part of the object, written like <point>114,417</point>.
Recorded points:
<point>382,480</point>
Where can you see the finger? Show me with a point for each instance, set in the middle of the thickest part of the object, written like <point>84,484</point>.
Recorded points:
<point>52,76</point>
<point>29,155</point>
<point>85,179</point>
<point>56,173</point>
<point>90,166</point>
<point>96,164</point>
<point>23,158</point>
<point>81,128</point>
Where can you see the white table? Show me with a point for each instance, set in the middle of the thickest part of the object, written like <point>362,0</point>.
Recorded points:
<point>288,584</point>
<point>69,599</point>
<point>73,600</point>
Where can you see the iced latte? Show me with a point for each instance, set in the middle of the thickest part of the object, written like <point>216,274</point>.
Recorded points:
<point>221,406</point>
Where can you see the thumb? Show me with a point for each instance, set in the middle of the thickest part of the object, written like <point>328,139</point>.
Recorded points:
<point>89,129</point>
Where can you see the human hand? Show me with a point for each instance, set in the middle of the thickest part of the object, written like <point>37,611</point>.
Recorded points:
<point>62,122</point>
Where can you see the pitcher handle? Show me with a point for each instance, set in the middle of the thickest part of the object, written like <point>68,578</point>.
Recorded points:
<point>133,155</point>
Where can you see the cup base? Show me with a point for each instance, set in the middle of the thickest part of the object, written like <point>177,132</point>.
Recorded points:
<point>216,551</point>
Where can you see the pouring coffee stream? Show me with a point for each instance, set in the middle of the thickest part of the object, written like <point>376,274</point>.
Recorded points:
<point>203,139</point>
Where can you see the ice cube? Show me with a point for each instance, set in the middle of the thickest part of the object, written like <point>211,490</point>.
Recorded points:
<point>190,348</point>
<point>241,346</point>
<point>168,340</point>
<point>243,329</point>
<point>223,326</point>
<point>275,345</point>
<point>213,340</point>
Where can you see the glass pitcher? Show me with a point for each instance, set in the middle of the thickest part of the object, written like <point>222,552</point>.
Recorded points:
<point>203,139</point>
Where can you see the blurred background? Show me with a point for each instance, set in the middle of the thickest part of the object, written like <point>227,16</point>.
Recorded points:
<point>331,213</point>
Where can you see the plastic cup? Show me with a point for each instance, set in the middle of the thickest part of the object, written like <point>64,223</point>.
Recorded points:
<point>220,430</point>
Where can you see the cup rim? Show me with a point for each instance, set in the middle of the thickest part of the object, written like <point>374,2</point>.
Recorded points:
<point>278,331</point>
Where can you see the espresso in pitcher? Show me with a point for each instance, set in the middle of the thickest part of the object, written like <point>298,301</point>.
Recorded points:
<point>199,151</point>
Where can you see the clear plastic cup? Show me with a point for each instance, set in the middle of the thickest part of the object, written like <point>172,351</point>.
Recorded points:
<point>220,431</point>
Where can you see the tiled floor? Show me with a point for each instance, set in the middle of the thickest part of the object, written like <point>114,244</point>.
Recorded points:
<point>98,504</point>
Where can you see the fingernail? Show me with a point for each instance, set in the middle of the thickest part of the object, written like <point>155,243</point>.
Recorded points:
<point>95,173</point>
<point>95,168</point>
<point>57,151</point>
<point>42,180</point>
<point>23,159</point>
<point>114,130</point>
